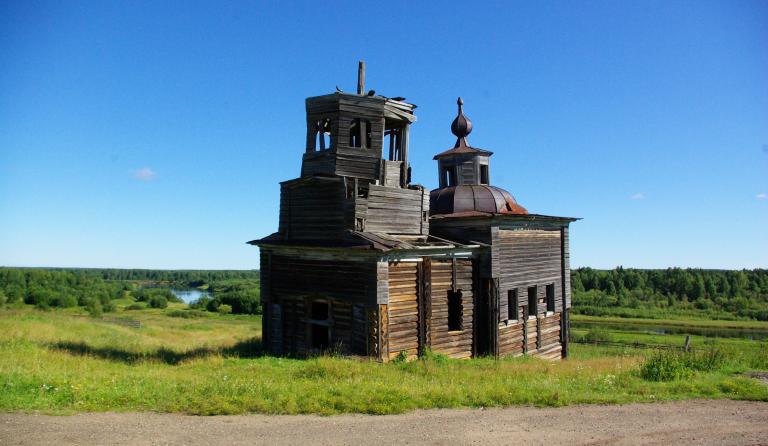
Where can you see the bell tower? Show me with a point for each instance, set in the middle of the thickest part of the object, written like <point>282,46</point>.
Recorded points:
<point>355,175</point>
<point>358,135</point>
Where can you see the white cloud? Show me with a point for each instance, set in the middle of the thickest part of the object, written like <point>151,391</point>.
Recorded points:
<point>638,196</point>
<point>144,174</point>
<point>761,196</point>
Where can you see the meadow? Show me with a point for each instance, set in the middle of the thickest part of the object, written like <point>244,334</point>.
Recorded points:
<point>179,360</point>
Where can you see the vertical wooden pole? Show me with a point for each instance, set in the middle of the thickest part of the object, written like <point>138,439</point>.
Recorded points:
<point>361,77</point>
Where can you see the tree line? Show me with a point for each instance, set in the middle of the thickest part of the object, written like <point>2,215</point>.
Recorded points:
<point>96,289</point>
<point>722,294</point>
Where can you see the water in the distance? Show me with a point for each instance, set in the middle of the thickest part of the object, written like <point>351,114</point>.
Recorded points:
<point>190,295</point>
<point>710,332</point>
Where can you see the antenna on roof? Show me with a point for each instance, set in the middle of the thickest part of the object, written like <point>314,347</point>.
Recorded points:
<point>361,77</point>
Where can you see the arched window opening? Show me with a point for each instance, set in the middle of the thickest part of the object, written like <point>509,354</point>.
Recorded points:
<point>323,134</point>
<point>360,133</point>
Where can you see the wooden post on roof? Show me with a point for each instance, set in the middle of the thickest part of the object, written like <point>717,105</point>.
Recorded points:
<point>361,77</point>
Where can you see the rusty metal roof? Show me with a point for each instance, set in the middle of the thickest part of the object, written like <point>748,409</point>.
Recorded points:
<point>473,198</point>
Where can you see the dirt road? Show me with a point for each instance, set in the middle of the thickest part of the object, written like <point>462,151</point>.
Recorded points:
<point>691,422</point>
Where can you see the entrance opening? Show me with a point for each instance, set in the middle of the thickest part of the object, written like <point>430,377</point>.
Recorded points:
<point>319,324</point>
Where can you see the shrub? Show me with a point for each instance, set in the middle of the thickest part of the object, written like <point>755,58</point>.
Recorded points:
<point>597,335</point>
<point>158,301</point>
<point>672,365</point>
<point>94,308</point>
<point>136,306</point>
<point>187,314</point>
<point>225,309</point>
<point>3,299</point>
<point>200,304</point>
<point>63,301</point>
<point>109,307</point>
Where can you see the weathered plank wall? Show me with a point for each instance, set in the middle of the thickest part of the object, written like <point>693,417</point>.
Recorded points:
<point>455,344</point>
<point>395,210</point>
<point>312,209</point>
<point>402,311</point>
<point>352,281</point>
<point>525,258</point>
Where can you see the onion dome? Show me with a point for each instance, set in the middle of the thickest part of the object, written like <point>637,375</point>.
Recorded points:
<point>473,199</point>
<point>461,126</point>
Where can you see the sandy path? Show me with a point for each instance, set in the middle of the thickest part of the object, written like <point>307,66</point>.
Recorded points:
<point>691,422</point>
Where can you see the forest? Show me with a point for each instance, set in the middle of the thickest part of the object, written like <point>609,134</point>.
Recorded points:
<point>655,293</point>
<point>96,289</point>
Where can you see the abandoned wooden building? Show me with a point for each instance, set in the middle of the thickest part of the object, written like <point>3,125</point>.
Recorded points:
<point>367,263</point>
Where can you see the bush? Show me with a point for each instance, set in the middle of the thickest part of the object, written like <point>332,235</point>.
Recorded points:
<point>63,301</point>
<point>187,314</point>
<point>200,304</point>
<point>225,309</point>
<point>597,335</point>
<point>94,308</point>
<point>135,306</point>
<point>158,301</point>
<point>673,365</point>
<point>3,299</point>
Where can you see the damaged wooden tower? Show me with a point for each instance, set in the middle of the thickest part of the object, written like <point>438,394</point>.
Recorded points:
<point>367,263</point>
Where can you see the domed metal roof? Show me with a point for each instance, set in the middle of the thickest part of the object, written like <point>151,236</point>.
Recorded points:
<point>470,198</point>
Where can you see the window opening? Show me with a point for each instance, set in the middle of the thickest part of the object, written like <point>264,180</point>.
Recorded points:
<point>455,310</point>
<point>532,301</point>
<point>449,176</point>
<point>393,139</point>
<point>319,324</point>
<point>323,134</point>
<point>512,304</point>
<point>551,297</point>
<point>360,133</point>
<point>484,174</point>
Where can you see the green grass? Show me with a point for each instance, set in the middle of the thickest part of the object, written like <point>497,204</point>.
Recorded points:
<point>63,361</point>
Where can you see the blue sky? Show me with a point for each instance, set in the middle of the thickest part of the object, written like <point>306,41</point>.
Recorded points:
<point>154,134</point>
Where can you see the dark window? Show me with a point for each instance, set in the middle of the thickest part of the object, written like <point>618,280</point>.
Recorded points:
<point>512,304</point>
<point>484,174</point>
<point>532,301</point>
<point>319,311</point>
<point>551,297</point>
<point>319,324</point>
<point>455,311</point>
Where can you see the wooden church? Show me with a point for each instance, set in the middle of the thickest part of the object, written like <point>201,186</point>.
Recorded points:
<point>367,263</point>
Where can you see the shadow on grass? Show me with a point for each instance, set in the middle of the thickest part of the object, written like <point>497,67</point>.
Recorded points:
<point>250,348</point>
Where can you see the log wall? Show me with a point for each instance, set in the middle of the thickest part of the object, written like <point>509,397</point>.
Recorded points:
<point>455,344</point>
<point>402,310</point>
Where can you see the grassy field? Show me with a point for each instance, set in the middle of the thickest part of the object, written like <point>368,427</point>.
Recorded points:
<point>63,361</point>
